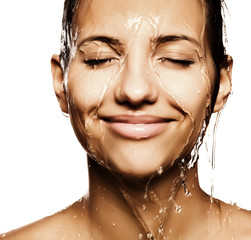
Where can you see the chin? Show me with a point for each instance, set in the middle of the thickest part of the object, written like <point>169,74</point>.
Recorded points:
<point>140,167</point>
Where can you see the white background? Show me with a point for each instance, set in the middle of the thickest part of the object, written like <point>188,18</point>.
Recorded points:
<point>42,166</point>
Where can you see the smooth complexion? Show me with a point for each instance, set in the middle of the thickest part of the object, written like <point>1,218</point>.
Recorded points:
<point>116,80</point>
<point>147,61</point>
<point>98,95</point>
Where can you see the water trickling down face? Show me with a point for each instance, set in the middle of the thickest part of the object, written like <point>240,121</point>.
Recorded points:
<point>139,82</point>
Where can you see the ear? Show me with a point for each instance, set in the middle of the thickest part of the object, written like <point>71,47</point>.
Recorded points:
<point>58,82</point>
<point>225,85</point>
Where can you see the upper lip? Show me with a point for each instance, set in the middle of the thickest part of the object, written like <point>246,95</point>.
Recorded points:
<point>136,119</point>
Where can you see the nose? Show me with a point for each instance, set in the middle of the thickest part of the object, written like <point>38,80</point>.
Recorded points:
<point>136,85</point>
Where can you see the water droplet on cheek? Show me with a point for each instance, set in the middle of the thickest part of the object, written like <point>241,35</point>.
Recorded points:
<point>140,236</point>
<point>113,224</point>
<point>144,207</point>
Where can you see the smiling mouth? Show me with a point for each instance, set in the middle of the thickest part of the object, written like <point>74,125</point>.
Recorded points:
<point>137,127</point>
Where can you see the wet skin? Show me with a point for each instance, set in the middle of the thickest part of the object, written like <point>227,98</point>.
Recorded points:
<point>138,89</point>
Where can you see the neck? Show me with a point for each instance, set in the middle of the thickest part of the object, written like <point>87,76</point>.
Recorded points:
<point>159,206</point>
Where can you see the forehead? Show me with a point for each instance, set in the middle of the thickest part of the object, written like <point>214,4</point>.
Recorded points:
<point>118,17</point>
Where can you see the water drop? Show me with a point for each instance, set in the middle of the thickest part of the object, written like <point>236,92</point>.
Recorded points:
<point>99,227</point>
<point>160,170</point>
<point>75,217</point>
<point>161,210</point>
<point>102,163</point>
<point>113,224</point>
<point>79,235</point>
<point>96,209</point>
<point>188,193</point>
<point>144,207</point>
<point>140,236</point>
<point>145,196</point>
<point>149,236</point>
<point>161,230</point>
<point>178,208</point>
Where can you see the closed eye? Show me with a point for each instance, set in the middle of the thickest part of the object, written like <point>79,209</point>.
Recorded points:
<point>181,62</point>
<point>97,62</point>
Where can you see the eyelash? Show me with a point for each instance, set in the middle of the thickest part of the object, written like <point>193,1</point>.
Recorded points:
<point>182,62</point>
<point>96,62</point>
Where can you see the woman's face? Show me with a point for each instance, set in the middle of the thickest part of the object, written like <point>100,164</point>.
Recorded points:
<point>140,82</point>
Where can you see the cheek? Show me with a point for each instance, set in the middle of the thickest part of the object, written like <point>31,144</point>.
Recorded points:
<point>190,89</point>
<point>88,87</point>
<point>86,90</point>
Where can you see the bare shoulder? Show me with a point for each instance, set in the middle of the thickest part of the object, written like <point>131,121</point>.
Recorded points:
<point>71,223</point>
<point>236,220</point>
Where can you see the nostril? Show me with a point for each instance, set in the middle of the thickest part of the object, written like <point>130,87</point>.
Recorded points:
<point>134,105</point>
<point>134,95</point>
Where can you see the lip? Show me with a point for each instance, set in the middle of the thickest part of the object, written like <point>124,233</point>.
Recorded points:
<point>137,127</point>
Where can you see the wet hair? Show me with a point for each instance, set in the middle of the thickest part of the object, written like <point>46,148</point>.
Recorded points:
<point>214,34</point>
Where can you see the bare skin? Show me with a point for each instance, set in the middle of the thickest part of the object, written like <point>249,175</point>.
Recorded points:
<point>136,184</point>
<point>105,214</point>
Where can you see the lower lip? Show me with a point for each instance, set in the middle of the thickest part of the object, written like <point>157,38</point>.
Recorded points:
<point>137,131</point>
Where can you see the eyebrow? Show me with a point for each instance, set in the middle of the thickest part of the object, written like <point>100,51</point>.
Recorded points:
<point>104,39</point>
<point>174,38</point>
<point>158,40</point>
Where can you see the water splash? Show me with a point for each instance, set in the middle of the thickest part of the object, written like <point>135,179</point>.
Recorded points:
<point>194,156</point>
<point>213,154</point>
